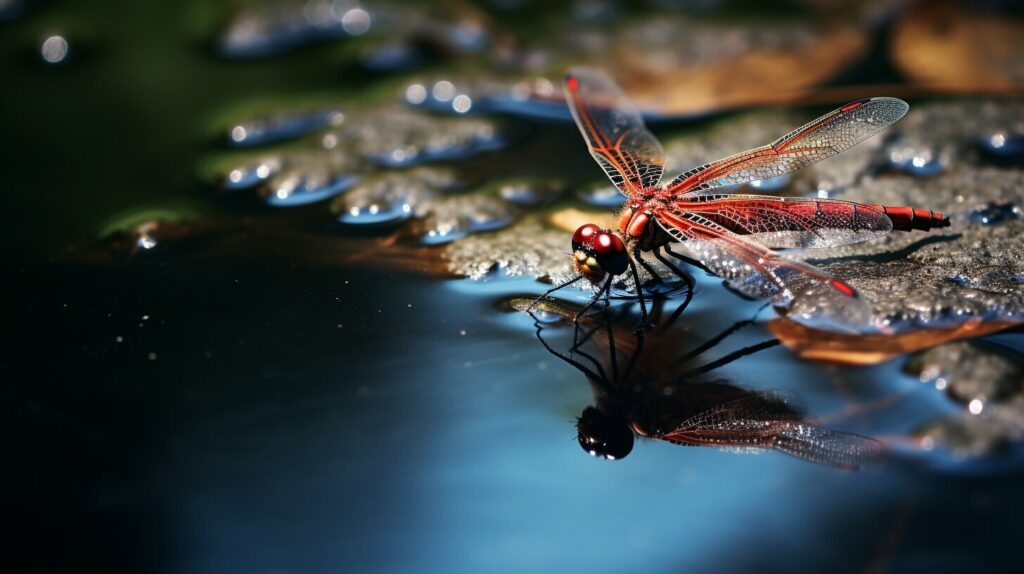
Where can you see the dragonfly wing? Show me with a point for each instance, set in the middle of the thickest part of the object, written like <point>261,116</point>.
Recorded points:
<point>813,296</point>
<point>746,422</point>
<point>785,222</point>
<point>822,446</point>
<point>614,131</point>
<point>826,136</point>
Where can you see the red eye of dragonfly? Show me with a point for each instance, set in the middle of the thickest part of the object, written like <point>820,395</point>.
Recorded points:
<point>732,235</point>
<point>612,251</point>
<point>584,235</point>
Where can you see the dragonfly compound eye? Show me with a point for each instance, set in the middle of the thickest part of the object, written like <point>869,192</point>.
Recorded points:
<point>612,252</point>
<point>584,235</point>
<point>603,435</point>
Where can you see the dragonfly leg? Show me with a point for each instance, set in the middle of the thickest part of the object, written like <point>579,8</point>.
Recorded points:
<point>687,260</point>
<point>597,297</point>
<point>675,270</point>
<point>640,296</point>
<point>647,267</point>
<point>699,265</point>
<point>714,341</point>
<point>689,287</point>
<point>750,350</point>
<point>550,291</point>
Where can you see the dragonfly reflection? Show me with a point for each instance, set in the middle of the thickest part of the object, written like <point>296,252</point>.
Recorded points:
<point>679,400</point>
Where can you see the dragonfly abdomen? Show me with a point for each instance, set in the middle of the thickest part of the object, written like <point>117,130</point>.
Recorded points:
<point>908,219</point>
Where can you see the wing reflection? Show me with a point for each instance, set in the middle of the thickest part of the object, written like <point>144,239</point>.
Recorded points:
<point>645,386</point>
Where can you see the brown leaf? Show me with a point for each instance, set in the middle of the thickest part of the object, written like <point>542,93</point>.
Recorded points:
<point>872,349</point>
<point>960,47</point>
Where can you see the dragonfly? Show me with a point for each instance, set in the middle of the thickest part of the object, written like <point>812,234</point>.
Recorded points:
<point>682,401</point>
<point>727,234</point>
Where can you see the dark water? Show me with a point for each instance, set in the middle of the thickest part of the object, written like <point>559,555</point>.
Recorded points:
<point>251,411</point>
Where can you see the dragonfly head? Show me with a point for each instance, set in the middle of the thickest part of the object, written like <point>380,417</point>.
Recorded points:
<point>598,252</point>
<point>604,435</point>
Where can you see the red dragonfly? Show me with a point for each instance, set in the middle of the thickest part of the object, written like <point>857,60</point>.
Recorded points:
<point>730,235</point>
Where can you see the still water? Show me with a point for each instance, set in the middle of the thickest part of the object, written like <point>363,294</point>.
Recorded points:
<point>251,408</point>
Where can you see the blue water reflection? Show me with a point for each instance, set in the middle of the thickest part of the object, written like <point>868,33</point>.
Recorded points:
<point>460,457</point>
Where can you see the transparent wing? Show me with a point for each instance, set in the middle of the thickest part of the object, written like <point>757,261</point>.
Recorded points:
<point>826,136</point>
<point>813,296</point>
<point>785,222</point>
<point>822,446</point>
<point>614,131</point>
<point>746,422</point>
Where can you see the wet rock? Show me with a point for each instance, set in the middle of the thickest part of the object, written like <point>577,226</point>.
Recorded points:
<point>357,145</point>
<point>304,177</point>
<point>276,26</point>
<point>973,268</point>
<point>302,187</point>
<point>282,126</point>
<point>527,248</point>
<point>249,174</point>
<point>394,197</point>
<point>485,93</point>
<point>397,137</point>
<point>454,218</point>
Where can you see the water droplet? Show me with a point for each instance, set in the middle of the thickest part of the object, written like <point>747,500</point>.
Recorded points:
<point>415,94</point>
<point>356,21</point>
<point>1005,143</point>
<point>959,280</point>
<point>995,213</point>
<point>54,50</point>
<point>924,162</point>
<point>462,103</point>
<point>443,91</point>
